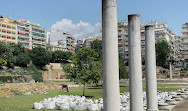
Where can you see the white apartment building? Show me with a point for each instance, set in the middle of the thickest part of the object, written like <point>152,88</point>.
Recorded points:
<point>162,32</point>
<point>30,35</point>
<point>185,44</point>
<point>24,33</point>
<point>38,35</point>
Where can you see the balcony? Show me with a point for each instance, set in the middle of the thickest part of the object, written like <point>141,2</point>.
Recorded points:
<point>24,37</point>
<point>160,32</point>
<point>120,49</point>
<point>185,26</point>
<point>23,42</point>
<point>120,34</point>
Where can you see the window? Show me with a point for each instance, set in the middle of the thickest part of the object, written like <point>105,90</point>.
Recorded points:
<point>8,37</point>
<point>3,25</point>
<point>13,28</point>
<point>4,31</point>
<point>3,36</point>
<point>8,32</point>
<point>8,26</point>
<point>13,33</point>
<point>13,38</point>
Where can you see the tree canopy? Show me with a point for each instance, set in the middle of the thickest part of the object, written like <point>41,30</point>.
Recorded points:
<point>162,53</point>
<point>97,46</point>
<point>59,56</point>
<point>123,74</point>
<point>40,56</point>
<point>85,68</point>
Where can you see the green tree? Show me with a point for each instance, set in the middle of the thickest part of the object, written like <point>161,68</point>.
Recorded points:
<point>21,54</point>
<point>83,65</point>
<point>162,53</point>
<point>23,59</point>
<point>96,72</point>
<point>97,46</point>
<point>123,74</point>
<point>6,52</point>
<point>2,62</point>
<point>60,56</point>
<point>40,57</point>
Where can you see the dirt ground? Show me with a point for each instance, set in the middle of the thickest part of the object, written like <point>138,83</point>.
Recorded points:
<point>183,106</point>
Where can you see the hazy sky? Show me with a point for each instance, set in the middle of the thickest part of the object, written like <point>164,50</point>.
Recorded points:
<point>83,17</point>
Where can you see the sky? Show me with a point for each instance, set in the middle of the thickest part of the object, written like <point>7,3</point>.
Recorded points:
<point>84,17</point>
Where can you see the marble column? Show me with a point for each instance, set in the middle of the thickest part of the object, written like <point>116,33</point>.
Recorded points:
<point>151,79</point>
<point>111,90</point>
<point>135,65</point>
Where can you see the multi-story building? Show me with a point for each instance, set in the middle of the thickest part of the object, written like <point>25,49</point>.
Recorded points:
<point>70,43</point>
<point>55,47</point>
<point>38,35</point>
<point>24,33</point>
<point>86,42</point>
<point>66,41</point>
<point>7,30</point>
<point>122,30</point>
<point>162,32</point>
<point>30,35</point>
<point>79,45</point>
<point>185,44</point>
<point>178,51</point>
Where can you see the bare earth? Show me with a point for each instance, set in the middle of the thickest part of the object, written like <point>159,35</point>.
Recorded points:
<point>183,106</point>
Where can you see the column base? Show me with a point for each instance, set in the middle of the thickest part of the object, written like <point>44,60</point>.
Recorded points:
<point>152,110</point>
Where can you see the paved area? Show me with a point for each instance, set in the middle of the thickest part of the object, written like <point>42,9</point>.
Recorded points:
<point>183,106</point>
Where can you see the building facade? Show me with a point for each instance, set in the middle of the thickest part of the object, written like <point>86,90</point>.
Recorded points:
<point>38,35</point>
<point>70,45</point>
<point>162,32</point>
<point>65,43</point>
<point>185,44</point>
<point>178,51</point>
<point>8,30</point>
<point>86,42</point>
<point>24,33</point>
<point>122,30</point>
<point>55,47</point>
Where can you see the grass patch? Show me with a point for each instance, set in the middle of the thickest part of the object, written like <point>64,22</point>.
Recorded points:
<point>25,102</point>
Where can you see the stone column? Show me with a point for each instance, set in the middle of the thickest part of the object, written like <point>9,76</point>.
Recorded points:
<point>170,67</point>
<point>135,66</point>
<point>50,72</point>
<point>151,80</point>
<point>111,95</point>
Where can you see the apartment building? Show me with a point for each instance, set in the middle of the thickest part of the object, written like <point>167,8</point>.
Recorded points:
<point>86,42</point>
<point>24,33</point>
<point>185,44</point>
<point>70,43</point>
<point>38,35</point>
<point>55,47</point>
<point>30,35</point>
<point>122,30</point>
<point>178,51</point>
<point>162,32</point>
<point>65,41</point>
<point>7,30</point>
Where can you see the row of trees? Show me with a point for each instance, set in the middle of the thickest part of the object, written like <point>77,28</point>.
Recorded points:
<point>15,54</point>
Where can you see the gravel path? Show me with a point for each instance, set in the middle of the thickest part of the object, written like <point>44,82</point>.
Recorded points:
<point>183,106</point>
